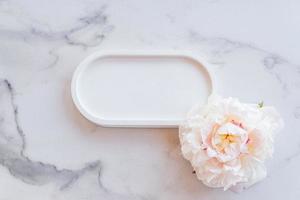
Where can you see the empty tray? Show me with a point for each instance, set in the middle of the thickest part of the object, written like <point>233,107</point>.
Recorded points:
<point>139,89</point>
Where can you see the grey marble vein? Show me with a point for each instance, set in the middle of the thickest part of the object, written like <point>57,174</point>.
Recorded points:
<point>12,157</point>
<point>271,61</point>
<point>88,31</point>
<point>93,25</point>
<point>12,146</point>
<point>274,64</point>
<point>223,46</point>
<point>219,45</point>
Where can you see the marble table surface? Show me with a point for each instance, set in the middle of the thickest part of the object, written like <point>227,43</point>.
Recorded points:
<point>49,151</point>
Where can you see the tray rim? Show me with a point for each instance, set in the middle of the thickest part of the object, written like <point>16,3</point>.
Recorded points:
<point>159,123</point>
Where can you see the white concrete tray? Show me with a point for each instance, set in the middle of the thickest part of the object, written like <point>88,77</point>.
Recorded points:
<point>140,89</point>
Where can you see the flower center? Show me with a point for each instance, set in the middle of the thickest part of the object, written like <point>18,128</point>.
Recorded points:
<point>229,137</point>
<point>225,140</point>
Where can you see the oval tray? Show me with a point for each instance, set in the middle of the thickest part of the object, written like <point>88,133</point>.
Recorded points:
<point>139,89</point>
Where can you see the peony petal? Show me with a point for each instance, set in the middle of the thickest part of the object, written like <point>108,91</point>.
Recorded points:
<point>226,153</point>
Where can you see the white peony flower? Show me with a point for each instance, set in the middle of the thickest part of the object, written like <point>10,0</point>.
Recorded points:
<point>227,141</point>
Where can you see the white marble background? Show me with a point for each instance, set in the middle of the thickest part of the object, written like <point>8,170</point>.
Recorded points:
<point>49,151</point>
